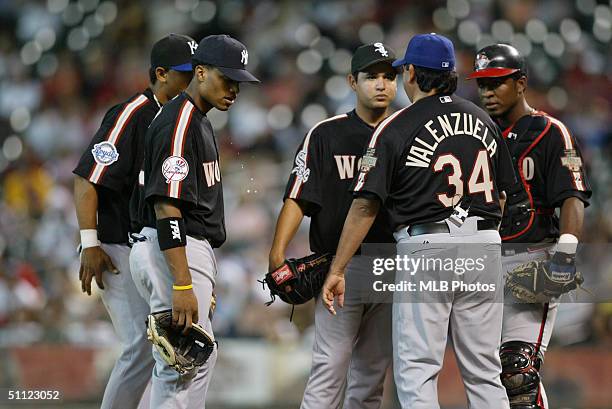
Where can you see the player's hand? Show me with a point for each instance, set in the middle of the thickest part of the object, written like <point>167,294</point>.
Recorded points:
<point>333,287</point>
<point>560,275</point>
<point>184,309</point>
<point>94,262</point>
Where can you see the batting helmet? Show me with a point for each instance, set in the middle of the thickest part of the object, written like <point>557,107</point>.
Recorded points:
<point>498,60</point>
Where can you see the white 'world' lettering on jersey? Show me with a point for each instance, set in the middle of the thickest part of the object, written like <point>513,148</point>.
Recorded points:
<point>212,173</point>
<point>346,166</point>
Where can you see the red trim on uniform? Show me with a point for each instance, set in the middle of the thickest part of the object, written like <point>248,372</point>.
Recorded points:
<point>492,72</point>
<point>538,345</point>
<point>180,186</point>
<point>119,133</point>
<point>176,123</point>
<point>572,143</point>
<point>539,400</point>
<point>374,140</point>
<point>542,325</point>
<point>525,183</point>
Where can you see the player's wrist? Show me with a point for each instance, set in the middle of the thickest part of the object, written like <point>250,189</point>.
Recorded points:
<point>568,243</point>
<point>184,287</point>
<point>89,238</point>
<point>276,259</point>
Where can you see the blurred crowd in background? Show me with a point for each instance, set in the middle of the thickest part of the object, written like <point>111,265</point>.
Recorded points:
<point>63,63</point>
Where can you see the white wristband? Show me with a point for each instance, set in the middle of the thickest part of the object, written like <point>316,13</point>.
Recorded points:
<point>567,243</point>
<point>89,238</point>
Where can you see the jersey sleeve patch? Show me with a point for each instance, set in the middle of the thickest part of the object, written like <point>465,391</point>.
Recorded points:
<point>105,153</point>
<point>175,169</point>
<point>571,160</point>
<point>368,161</point>
<point>300,170</point>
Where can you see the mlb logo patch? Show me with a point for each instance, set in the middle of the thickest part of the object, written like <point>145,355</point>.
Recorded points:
<point>445,64</point>
<point>445,99</point>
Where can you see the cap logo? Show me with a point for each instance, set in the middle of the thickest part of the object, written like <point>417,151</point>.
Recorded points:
<point>244,57</point>
<point>445,64</point>
<point>381,49</point>
<point>482,62</point>
<point>193,46</point>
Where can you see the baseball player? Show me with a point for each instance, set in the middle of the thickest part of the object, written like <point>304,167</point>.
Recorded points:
<point>172,261</point>
<point>440,168</point>
<point>325,165</point>
<point>548,161</point>
<point>105,177</point>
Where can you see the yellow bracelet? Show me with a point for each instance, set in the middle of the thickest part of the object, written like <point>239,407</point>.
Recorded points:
<point>182,287</point>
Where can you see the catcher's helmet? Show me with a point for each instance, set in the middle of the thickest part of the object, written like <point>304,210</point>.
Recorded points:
<point>498,60</point>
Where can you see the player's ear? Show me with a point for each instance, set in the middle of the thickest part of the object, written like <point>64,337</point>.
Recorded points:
<point>411,73</point>
<point>352,81</point>
<point>161,74</point>
<point>200,73</point>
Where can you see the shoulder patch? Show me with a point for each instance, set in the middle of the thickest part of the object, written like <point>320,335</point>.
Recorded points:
<point>571,160</point>
<point>105,153</point>
<point>175,169</point>
<point>300,170</point>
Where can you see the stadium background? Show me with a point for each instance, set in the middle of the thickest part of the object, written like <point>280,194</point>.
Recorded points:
<point>64,62</point>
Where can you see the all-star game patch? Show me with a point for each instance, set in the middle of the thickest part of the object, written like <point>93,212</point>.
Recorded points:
<point>368,161</point>
<point>105,153</point>
<point>571,160</point>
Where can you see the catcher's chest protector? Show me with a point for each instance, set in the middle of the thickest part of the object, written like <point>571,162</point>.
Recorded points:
<point>520,208</point>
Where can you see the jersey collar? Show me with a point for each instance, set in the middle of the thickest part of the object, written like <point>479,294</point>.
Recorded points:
<point>353,114</point>
<point>152,97</point>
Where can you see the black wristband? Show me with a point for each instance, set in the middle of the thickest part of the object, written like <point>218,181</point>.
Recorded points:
<point>171,233</point>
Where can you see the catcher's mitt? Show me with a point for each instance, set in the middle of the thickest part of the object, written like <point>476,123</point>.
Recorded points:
<point>181,352</point>
<point>298,280</point>
<point>540,281</point>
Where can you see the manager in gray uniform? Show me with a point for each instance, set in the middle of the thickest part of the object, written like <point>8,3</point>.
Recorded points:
<point>439,166</point>
<point>105,178</point>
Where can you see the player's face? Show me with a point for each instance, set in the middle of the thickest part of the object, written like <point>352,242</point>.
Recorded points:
<point>219,90</point>
<point>498,95</point>
<point>376,87</point>
<point>177,82</point>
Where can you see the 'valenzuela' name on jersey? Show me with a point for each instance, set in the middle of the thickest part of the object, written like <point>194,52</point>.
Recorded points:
<point>448,125</point>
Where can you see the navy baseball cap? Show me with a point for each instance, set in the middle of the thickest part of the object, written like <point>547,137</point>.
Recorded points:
<point>173,52</point>
<point>430,51</point>
<point>370,54</point>
<point>227,54</point>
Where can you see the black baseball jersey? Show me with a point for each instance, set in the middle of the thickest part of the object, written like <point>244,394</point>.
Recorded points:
<point>421,160</point>
<point>550,169</point>
<point>182,163</point>
<point>112,162</point>
<point>325,165</point>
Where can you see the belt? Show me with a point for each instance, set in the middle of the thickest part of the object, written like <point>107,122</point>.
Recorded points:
<point>442,227</point>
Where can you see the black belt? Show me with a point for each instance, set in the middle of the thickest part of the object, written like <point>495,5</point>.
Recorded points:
<point>442,227</point>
